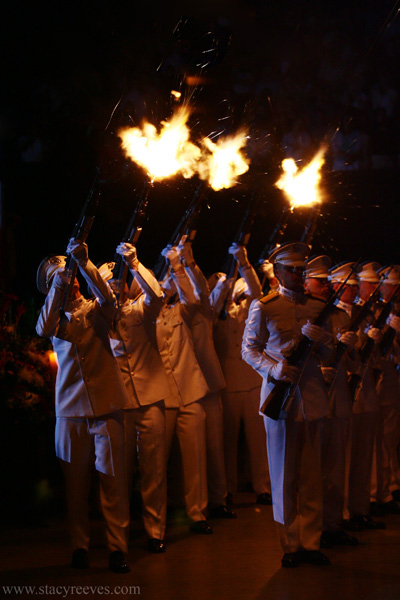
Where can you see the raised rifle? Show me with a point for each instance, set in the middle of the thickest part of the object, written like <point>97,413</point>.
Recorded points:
<point>241,239</point>
<point>284,390</point>
<point>132,234</point>
<point>81,232</point>
<point>187,226</point>
<point>386,343</point>
<point>274,240</point>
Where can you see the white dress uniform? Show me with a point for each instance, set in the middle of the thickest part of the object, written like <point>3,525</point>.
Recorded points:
<point>389,401</point>
<point>184,413</point>
<point>134,344</point>
<point>240,398</point>
<point>364,421</point>
<point>294,441</point>
<point>90,396</point>
<point>201,324</point>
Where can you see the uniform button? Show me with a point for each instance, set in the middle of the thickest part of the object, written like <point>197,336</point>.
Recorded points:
<point>82,358</point>
<point>78,319</point>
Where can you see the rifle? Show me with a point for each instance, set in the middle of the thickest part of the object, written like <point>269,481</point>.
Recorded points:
<point>274,239</point>
<point>387,340</point>
<point>311,226</point>
<point>241,239</point>
<point>81,232</point>
<point>369,345</point>
<point>284,390</point>
<point>132,234</point>
<point>187,226</point>
<point>355,323</point>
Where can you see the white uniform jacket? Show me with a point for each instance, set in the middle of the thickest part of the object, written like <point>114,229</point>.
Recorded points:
<point>201,325</point>
<point>88,381</point>
<point>134,342</point>
<point>387,382</point>
<point>228,335</point>
<point>186,380</point>
<point>366,399</point>
<point>273,330</point>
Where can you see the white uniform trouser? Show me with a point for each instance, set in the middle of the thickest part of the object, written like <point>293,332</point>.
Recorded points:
<point>387,438</point>
<point>363,431</point>
<point>189,424</point>
<point>146,426</point>
<point>216,475</point>
<point>237,406</point>
<point>335,443</point>
<point>294,452</point>
<point>82,443</point>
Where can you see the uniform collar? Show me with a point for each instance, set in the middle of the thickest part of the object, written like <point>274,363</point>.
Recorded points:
<point>294,296</point>
<point>343,306</point>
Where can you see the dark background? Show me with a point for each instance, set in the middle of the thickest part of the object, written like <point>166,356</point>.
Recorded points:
<point>272,64</point>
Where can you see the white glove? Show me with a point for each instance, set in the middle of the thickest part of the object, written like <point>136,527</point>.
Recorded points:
<point>284,372</point>
<point>185,253</point>
<point>375,334</point>
<point>394,322</point>
<point>128,251</point>
<point>349,338</point>
<point>61,279</point>
<point>79,252</point>
<point>240,253</point>
<point>313,332</point>
<point>267,268</point>
<point>172,256</point>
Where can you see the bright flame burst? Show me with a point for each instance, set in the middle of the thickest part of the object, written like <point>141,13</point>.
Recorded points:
<point>302,186</point>
<point>224,161</point>
<point>163,153</point>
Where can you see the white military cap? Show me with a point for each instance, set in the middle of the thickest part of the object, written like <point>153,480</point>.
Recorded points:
<point>368,271</point>
<point>293,254</point>
<point>213,279</point>
<point>46,271</point>
<point>339,273</point>
<point>318,267</point>
<point>391,275</point>
<point>106,270</point>
<point>239,288</point>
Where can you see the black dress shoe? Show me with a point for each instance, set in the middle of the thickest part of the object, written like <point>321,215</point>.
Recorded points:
<point>314,557</point>
<point>80,559</point>
<point>391,508</point>
<point>368,522</point>
<point>156,546</point>
<point>117,562</point>
<point>264,498</point>
<point>222,512</point>
<point>201,527</point>
<point>290,560</point>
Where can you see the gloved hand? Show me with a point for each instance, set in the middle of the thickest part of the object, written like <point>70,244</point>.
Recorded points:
<point>349,338</point>
<point>284,372</point>
<point>240,253</point>
<point>267,268</point>
<point>375,334</point>
<point>313,332</point>
<point>61,278</point>
<point>79,252</point>
<point>394,322</point>
<point>185,253</point>
<point>172,256</point>
<point>128,252</point>
<point>328,373</point>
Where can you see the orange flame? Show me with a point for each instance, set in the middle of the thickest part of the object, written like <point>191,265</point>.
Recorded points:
<point>302,186</point>
<point>223,161</point>
<point>163,153</point>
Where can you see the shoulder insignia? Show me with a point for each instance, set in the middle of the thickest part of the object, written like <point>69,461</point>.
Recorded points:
<point>271,296</point>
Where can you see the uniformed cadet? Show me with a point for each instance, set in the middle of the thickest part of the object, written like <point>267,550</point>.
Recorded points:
<point>185,414</point>
<point>134,344</point>
<point>274,327</point>
<point>201,323</point>
<point>342,277</point>
<point>389,400</point>
<point>365,415</point>
<point>240,398</point>
<point>90,396</point>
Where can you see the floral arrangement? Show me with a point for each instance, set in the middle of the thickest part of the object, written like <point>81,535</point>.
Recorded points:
<point>25,370</point>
